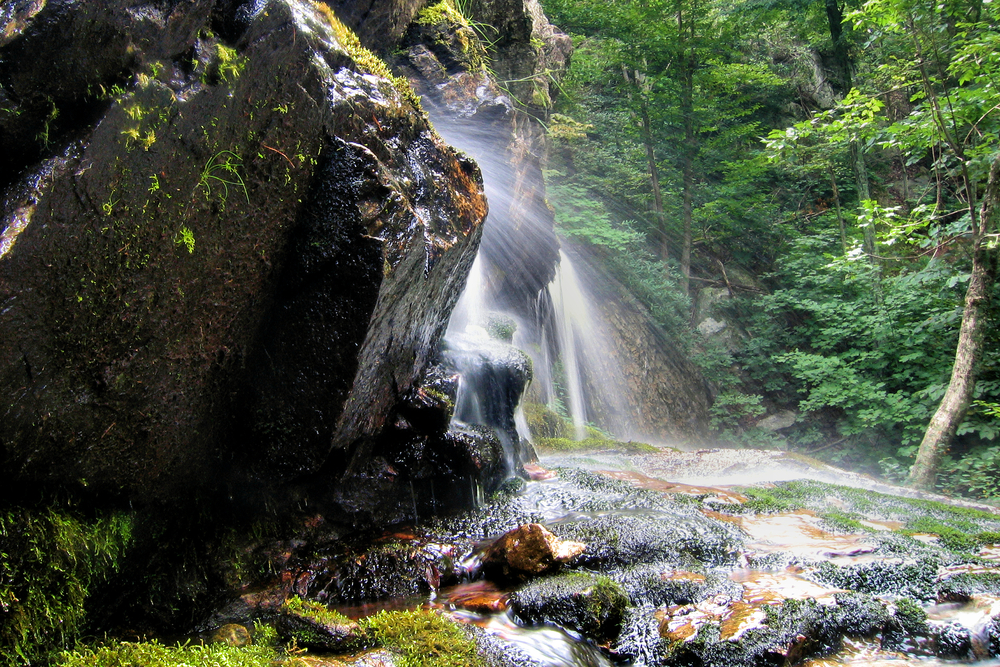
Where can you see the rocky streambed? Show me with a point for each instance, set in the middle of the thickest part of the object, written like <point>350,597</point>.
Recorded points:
<point>611,565</point>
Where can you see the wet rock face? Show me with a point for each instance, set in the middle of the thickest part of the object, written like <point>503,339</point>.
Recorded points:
<point>668,398</point>
<point>497,124</point>
<point>233,264</point>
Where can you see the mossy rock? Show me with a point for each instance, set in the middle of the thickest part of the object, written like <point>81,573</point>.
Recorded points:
<point>544,422</point>
<point>683,537</point>
<point>589,604</point>
<point>314,626</point>
<point>593,443</point>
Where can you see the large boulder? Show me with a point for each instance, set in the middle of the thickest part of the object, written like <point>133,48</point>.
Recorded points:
<point>230,262</point>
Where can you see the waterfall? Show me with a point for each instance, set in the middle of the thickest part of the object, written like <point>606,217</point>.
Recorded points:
<point>572,323</point>
<point>521,277</point>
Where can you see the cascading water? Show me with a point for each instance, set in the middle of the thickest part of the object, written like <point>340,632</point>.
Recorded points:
<point>518,278</point>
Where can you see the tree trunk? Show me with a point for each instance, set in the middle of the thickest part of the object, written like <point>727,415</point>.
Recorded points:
<point>654,175</point>
<point>687,64</point>
<point>957,398</point>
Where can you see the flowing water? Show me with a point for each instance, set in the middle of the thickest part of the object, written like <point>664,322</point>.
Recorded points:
<point>574,371</point>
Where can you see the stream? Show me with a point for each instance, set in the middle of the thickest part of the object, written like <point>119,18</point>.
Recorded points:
<point>777,557</point>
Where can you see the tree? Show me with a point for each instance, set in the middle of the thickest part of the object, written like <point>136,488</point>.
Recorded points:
<point>958,397</point>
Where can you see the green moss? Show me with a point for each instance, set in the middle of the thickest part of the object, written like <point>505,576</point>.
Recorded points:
<point>950,536</point>
<point>51,559</point>
<point>591,444</point>
<point>153,654</point>
<point>365,59</point>
<point>315,611</point>
<point>442,12</point>
<point>425,638</point>
<point>544,422</point>
<point>225,65</point>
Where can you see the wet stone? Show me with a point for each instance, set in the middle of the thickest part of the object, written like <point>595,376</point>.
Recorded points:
<point>589,604</point>
<point>231,634</point>
<point>527,551</point>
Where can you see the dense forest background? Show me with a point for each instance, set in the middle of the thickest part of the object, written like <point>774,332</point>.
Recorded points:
<point>810,174</point>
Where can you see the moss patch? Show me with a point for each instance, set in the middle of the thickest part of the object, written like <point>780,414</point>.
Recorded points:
<point>51,559</point>
<point>364,58</point>
<point>442,12</point>
<point>424,638</point>
<point>591,444</point>
<point>153,654</point>
<point>315,611</point>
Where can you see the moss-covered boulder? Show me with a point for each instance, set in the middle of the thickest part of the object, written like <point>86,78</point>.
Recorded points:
<point>227,260</point>
<point>590,604</point>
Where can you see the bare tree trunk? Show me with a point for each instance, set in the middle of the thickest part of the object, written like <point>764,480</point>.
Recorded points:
<point>686,34</point>
<point>957,398</point>
<point>654,174</point>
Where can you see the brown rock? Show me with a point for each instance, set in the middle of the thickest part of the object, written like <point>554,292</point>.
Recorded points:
<point>231,634</point>
<point>529,550</point>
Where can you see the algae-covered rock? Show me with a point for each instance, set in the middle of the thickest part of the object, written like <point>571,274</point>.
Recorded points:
<point>587,603</point>
<point>232,260</point>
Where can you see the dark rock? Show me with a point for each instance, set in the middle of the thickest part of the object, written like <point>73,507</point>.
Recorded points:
<point>951,640</point>
<point>240,268</point>
<point>494,376</point>
<point>59,61</point>
<point>313,627</point>
<point>587,603</point>
<point>397,565</point>
<point>528,551</point>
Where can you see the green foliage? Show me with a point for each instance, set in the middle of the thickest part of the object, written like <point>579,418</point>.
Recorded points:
<point>225,65</point>
<point>424,637</point>
<point>223,169</point>
<point>153,654</point>
<point>49,562</point>
<point>185,237</point>
<point>975,474</point>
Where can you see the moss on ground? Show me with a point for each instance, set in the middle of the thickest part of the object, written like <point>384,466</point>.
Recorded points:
<point>154,654</point>
<point>961,530</point>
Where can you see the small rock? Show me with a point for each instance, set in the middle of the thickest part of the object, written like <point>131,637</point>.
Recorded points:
<point>529,550</point>
<point>231,634</point>
<point>710,326</point>
<point>778,421</point>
